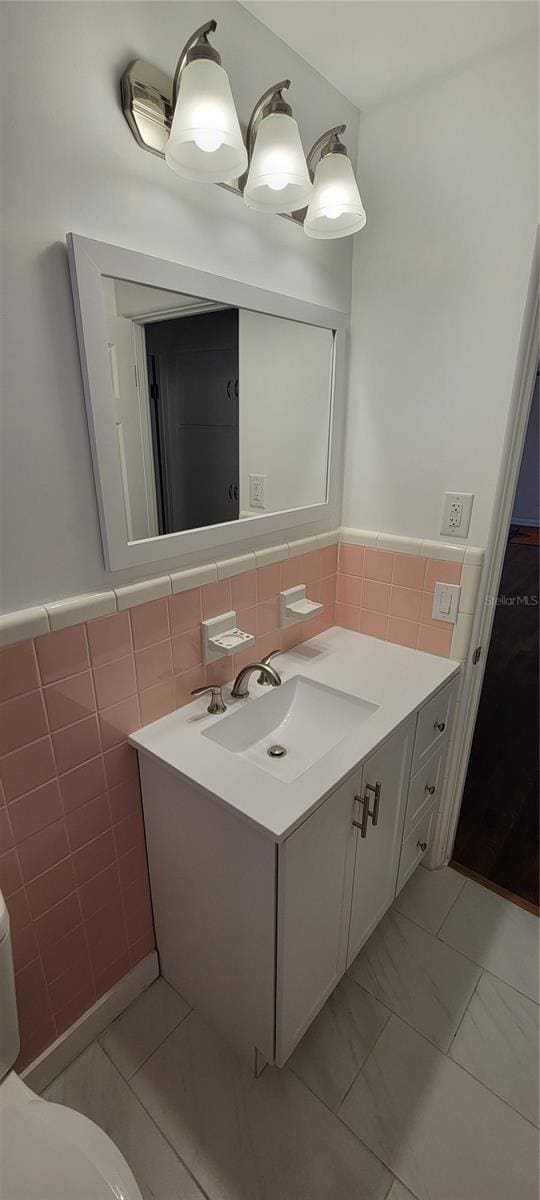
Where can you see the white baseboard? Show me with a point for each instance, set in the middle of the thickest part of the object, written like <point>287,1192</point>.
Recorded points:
<point>39,1074</point>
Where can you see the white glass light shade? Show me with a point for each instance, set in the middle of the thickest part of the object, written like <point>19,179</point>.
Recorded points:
<point>205,142</point>
<point>278,179</point>
<point>336,208</point>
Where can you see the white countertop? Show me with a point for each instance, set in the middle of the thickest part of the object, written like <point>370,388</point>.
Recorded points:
<point>395,678</point>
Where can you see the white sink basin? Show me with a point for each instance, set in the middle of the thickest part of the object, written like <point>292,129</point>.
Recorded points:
<point>304,718</point>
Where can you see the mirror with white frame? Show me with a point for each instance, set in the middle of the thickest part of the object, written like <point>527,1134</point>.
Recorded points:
<point>209,409</point>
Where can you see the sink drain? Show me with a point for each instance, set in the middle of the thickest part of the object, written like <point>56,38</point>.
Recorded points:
<point>276,752</point>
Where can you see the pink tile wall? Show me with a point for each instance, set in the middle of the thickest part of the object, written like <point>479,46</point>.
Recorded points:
<point>73,864</point>
<point>390,596</point>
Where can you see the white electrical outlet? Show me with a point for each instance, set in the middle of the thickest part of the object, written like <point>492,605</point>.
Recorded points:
<point>457,509</point>
<point>257,491</point>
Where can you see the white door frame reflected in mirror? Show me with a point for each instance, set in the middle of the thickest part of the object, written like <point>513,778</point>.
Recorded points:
<point>89,262</point>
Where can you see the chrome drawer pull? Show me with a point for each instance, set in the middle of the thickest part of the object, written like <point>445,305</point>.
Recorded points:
<point>430,788</point>
<point>376,788</point>
<point>440,725</point>
<point>363,824</point>
<point>422,846</point>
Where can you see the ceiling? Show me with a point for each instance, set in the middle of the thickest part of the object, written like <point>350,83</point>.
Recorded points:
<point>374,50</point>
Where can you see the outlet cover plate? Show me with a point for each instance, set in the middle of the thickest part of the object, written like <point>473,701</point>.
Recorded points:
<point>456,516</point>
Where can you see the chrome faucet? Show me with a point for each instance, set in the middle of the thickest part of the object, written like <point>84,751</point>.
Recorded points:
<point>240,689</point>
<point>265,660</point>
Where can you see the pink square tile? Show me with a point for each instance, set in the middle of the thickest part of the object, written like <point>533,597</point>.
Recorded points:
<point>76,743</point>
<point>185,611</point>
<point>346,616</point>
<point>115,681</point>
<point>441,572</point>
<point>138,910</point>
<point>373,624</point>
<point>23,947</point>
<point>58,921</point>
<point>313,589</point>
<point>118,721</point>
<point>409,570</point>
<point>62,653</point>
<point>92,858</point>
<point>107,940</point>
<point>268,581</point>
<point>48,889</point>
<point>375,596</point>
<point>109,638</point>
<point>69,700</point>
<point>70,1012</point>
<point>128,834</point>
<point>426,611</point>
<point>244,590</point>
<point>34,1042</point>
<point>311,566</point>
<point>184,684</point>
<point>221,672</point>
<point>121,764</point>
<point>248,623</point>
<point>267,616</point>
<point>107,978</point>
<point>10,875</point>
<point>32,998</point>
<point>43,850</point>
<point>292,572</point>
<point>403,633</point>
<point>157,702</point>
<point>25,769</point>
<point>132,865</point>
<point>378,564</point>
<point>150,623</point>
<point>142,947</point>
<point>329,559</point>
<point>6,835</point>
<point>216,598</point>
<point>349,590</point>
<point>351,560</point>
<point>78,975</point>
<point>82,783</point>
<point>18,670</point>
<point>88,821</point>
<point>22,720</point>
<point>327,593</point>
<point>186,650</point>
<point>435,640</point>
<point>153,665</point>
<point>19,912</point>
<point>405,603</point>
<point>35,811</point>
<point>269,643</point>
<point>58,957</point>
<point>101,890</point>
<point>245,657</point>
<point>125,799</point>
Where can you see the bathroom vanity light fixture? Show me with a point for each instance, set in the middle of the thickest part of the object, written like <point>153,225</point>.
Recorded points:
<point>335,209</point>
<point>205,142</point>
<point>278,179</point>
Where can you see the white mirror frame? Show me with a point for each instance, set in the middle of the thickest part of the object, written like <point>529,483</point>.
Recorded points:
<point>89,261</point>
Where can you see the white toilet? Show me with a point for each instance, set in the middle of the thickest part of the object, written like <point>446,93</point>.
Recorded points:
<point>47,1151</point>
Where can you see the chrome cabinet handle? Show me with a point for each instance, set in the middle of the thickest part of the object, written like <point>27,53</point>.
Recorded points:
<point>440,725</point>
<point>430,788</point>
<point>422,846</point>
<point>363,824</point>
<point>376,788</point>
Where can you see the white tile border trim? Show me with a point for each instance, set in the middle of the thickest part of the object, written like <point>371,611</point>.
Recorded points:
<point>39,1074</point>
<point>444,551</point>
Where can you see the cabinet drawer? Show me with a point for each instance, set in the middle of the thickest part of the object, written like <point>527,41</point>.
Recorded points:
<point>425,787</point>
<point>433,724</point>
<point>416,845</point>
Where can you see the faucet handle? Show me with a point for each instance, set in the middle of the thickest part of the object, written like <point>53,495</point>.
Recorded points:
<point>262,679</point>
<point>216,703</point>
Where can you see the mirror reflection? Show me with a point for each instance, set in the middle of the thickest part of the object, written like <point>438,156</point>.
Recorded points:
<point>221,413</point>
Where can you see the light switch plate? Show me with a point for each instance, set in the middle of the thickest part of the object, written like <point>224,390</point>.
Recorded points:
<point>456,517</point>
<point>446,602</point>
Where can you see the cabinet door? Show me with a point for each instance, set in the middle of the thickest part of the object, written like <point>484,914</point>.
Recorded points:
<point>377,854</point>
<point>313,914</point>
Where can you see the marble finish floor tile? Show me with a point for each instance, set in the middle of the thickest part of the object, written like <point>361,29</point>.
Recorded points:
<point>497,1042</point>
<point>498,935</point>
<point>92,1086</point>
<point>337,1043</point>
<point>428,896</point>
<point>441,1132</point>
<point>248,1139</point>
<point>417,977</point>
<point>138,1031</point>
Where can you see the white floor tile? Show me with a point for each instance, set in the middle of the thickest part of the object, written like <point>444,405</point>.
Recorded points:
<point>428,896</point>
<point>399,1192</point>
<point>436,1127</point>
<point>138,1031</point>
<point>498,1042</point>
<point>337,1043</point>
<point>497,934</point>
<point>417,977</point>
<point>94,1087</point>
<point>248,1139</point>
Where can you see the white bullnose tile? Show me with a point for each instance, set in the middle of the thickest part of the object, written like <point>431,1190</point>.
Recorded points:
<point>399,545</point>
<point>303,546</point>
<point>228,567</point>
<point>498,935</point>
<point>138,1031</point>
<point>474,556</point>
<point>414,975</point>
<point>428,897</point>
<point>461,637</point>
<point>140,593</point>
<point>497,1042</point>
<point>27,623</point>
<point>327,539</point>
<point>439,1130</point>
<point>470,580</point>
<point>357,537</point>
<point>81,608</point>
<point>443,551</point>
<point>184,581</point>
<point>251,1139</point>
<point>271,554</point>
